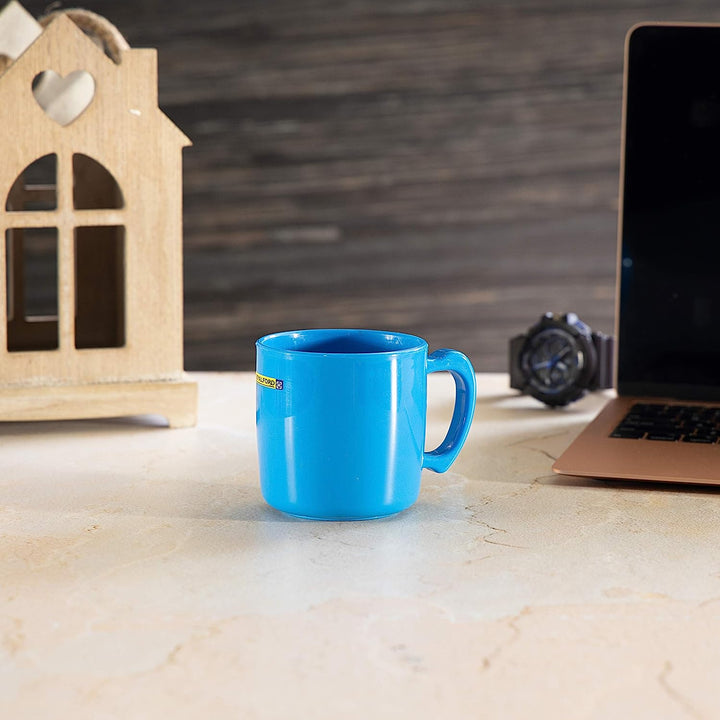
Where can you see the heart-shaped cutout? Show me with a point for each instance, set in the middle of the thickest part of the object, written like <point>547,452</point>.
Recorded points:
<point>64,99</point>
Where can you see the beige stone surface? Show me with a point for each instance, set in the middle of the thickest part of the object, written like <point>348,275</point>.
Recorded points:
<point>142,576</point>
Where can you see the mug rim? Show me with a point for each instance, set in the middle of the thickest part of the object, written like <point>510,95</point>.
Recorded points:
<point>418,343</point>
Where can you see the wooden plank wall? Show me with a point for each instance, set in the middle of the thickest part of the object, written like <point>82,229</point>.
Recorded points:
<point>442,167</point>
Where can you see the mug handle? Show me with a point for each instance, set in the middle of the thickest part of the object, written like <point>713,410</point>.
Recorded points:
<point>462,371</point>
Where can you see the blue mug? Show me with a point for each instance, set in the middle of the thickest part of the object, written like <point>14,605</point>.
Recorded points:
<point>341,417</point>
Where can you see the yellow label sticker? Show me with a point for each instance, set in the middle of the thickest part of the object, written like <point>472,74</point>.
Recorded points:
<point>269,382</point>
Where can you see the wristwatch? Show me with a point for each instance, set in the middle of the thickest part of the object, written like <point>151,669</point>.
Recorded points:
<point>559,359</point>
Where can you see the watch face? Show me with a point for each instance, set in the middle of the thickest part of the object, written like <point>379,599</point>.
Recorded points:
<point>552,361</point>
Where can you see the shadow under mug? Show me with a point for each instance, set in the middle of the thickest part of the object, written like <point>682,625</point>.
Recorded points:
<point>341,419</point>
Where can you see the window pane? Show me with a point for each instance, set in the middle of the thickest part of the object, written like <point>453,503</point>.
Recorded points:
<point>94,188</point>
<point>32,288</point>
<point>35,187</point>
<point>100,286</point>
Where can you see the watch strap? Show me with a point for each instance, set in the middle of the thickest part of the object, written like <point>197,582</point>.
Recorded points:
<point>517,379</point>
<point>605,352</point>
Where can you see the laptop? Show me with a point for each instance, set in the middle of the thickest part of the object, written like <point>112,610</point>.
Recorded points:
<point>664,423</point>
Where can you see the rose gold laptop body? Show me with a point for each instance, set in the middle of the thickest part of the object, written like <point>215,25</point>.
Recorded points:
<point>594,453</point>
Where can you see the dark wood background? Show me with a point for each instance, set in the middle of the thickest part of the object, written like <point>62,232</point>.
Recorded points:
<point>447,168</point>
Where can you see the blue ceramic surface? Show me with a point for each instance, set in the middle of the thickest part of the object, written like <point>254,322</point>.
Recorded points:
<point>341,418</point>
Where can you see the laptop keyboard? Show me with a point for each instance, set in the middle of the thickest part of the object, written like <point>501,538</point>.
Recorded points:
<point>684,423</point>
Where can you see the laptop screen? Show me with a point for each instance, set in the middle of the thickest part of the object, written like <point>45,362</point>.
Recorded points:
<point>669,312</point>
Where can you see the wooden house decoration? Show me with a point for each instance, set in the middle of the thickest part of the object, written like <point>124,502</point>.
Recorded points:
<point>91,307</point>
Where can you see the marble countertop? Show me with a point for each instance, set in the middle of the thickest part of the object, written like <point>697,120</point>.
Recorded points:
<point>143,576</point>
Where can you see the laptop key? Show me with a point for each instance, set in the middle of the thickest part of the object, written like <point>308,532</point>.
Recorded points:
<point>627,432</point>
<point>643,423</point>
<point>700,439</point>
<point>666,436</point>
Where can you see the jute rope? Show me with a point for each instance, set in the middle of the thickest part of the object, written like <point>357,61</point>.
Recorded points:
<point>96,26</point>
<point>101,30</point>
